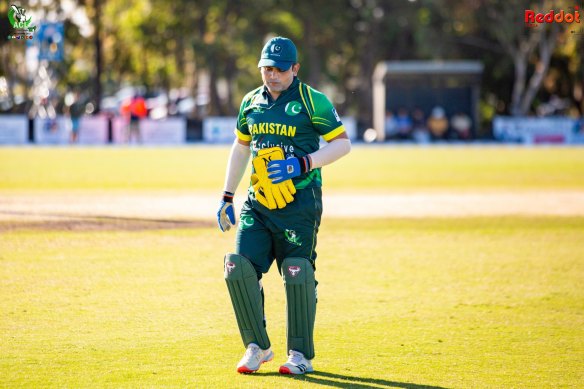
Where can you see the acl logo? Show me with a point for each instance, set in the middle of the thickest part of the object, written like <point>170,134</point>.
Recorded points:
<point>229,266</point>
<point>294,270</point>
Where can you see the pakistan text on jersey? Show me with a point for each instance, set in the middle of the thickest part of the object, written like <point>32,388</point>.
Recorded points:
<point>272,128</point>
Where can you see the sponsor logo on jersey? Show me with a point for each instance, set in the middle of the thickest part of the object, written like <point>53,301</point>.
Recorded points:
<point>293,108</point>
<point>336,115</point>
<point>272,128</point>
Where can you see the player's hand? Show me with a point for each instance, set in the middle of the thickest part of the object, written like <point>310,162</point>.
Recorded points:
<point>226,214</point>
<point>285,169</point>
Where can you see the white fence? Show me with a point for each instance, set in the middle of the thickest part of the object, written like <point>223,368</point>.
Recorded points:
<point>94,130</point>
<point>13,129</point>
<point>220,129</point>
<point>534,130</point>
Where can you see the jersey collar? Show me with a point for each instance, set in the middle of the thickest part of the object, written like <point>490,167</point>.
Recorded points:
<point>283,95</point>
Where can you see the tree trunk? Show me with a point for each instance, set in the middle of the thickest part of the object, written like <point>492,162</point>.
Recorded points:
<point>519,84</point>
<point>216,106</point>
<point>311,50</point>
<point>98,55</point>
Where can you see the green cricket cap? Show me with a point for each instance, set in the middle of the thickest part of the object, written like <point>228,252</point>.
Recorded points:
<point>279,52</point>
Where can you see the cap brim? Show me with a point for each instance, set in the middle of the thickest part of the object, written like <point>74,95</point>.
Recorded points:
<point>270,62</point>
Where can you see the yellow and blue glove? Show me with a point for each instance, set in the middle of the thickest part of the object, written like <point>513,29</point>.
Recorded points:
<point>285,169</point>
<point>269,194</point>
<point>226,214</point>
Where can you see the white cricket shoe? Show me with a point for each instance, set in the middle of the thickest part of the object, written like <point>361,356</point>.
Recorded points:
<point>296,364</point>
<point>253,358</point>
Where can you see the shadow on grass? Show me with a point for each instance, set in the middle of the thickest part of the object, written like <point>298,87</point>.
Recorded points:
<point>347,381</point>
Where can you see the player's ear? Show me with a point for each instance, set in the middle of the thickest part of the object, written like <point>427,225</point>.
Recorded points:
<point>295,68</point>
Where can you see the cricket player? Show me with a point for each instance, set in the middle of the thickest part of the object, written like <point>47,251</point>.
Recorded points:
<point>280,125</point>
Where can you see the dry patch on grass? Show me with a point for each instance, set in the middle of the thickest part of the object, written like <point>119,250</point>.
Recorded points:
<point>169,210</point>
<point>72,223</point>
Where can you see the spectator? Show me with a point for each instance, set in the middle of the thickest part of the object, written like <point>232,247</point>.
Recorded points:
<point>403,124</point>
<point>74,109</point>
<point>390,125</point>
<point>437,123</point>
<point>419,130</point>
<point>461,125</point>
<point>135,110</point>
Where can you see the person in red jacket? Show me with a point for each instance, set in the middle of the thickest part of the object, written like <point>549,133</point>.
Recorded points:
<point>135,108</point>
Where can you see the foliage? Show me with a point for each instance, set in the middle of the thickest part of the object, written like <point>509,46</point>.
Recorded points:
<point>211,47</point>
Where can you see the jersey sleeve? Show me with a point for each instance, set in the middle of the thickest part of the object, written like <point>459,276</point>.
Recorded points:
<point>324,116</point>
<point>241,128</point>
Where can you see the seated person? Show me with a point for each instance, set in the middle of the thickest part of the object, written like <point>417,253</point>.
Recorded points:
<point>461,125</point>
<point>419,130</point>
<point>437,123</point>
<point>404,124</point>
<point>390,125</point>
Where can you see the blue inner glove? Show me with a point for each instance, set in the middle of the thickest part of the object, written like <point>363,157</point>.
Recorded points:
<point>226,214</point>
<point>284,169</point>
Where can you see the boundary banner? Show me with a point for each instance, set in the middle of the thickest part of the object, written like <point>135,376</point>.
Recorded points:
<point>535,130</point>
<point>219,129</point>
<point>92,130</point>
<point>169,131</point>
<point>57,131</point>
<point>49,131</point>
<point>13,130</point>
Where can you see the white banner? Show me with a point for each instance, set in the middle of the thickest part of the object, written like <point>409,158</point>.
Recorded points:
<point>350,124</point>
<point>534,130</point>
<point>51,131</point>
<point>13,129</point>
<point>93,130</point>
<point>169,131</point>
<point>219,129</point>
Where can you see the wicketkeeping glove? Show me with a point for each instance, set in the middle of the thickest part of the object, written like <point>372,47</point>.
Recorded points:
<point>267,193</point>
<point>225,214</point>
<point>285,169</point>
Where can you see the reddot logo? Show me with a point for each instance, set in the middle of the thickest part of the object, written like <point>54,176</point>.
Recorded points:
<point>534,19</point>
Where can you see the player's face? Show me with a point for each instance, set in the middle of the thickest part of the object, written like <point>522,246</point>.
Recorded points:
<point>277,80</point>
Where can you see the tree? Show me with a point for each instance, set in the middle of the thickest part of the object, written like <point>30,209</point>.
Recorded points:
<point>525,46</point>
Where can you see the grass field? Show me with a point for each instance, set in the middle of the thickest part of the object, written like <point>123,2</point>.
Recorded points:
<point>368,168</point>
<point>466,302</point>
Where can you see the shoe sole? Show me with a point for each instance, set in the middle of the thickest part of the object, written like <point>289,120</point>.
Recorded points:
<point>245,370</point>
<point>286,370</point>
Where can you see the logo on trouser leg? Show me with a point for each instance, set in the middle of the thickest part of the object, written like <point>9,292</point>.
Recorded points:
<point>245,221</point>
<point>294,270</point>
<point>229,266</point>
<point>292,237</point>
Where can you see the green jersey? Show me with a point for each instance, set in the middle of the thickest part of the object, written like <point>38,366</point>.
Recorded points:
<point>294,122</point>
